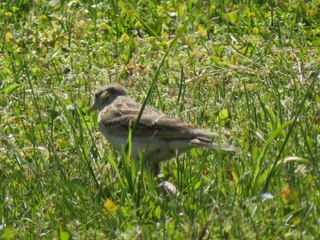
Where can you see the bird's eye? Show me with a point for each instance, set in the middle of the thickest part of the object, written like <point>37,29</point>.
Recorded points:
<point>103,96</point>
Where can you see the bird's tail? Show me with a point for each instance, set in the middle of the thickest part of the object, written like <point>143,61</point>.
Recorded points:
<point>202,142</point>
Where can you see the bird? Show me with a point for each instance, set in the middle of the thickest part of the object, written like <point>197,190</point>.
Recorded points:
<point>158,136</point>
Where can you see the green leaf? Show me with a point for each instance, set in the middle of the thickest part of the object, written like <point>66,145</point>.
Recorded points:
<point>197,185</point>
<point>151,28</point>
<point>258,178</point>
<point>63,235</point>
<point>231,17</point>
<point>224,117</point>
<point>8,90</point>
<point>8,233</point>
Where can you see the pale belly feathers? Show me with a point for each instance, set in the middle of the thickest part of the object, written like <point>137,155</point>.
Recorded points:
<point>154,149</point>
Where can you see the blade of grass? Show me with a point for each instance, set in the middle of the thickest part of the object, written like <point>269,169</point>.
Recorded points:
<point>294,121</point>
<point>171,46</point>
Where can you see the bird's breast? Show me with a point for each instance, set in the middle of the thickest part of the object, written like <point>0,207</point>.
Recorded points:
<point>154,148</point>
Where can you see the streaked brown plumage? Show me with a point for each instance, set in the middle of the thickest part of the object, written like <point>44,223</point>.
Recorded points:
<point>159,136</point>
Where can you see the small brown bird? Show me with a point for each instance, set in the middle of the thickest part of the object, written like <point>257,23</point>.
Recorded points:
<point>157,135</point>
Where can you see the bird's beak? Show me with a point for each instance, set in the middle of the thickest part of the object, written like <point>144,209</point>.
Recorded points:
<point>93,107</point>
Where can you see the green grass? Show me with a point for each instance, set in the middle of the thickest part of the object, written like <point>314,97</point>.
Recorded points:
<point>246,69</point>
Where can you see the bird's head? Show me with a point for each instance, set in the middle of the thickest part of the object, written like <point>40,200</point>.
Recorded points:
<point>106,95</point>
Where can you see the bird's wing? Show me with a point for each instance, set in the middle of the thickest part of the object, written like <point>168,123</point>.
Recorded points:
<point>152,122</point>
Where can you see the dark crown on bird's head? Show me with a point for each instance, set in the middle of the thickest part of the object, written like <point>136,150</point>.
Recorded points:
<point>110,92</point>
<point>112,89</point>
<point>106,95</point>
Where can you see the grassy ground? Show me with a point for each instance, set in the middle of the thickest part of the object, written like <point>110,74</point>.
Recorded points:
<point>247,69</point>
